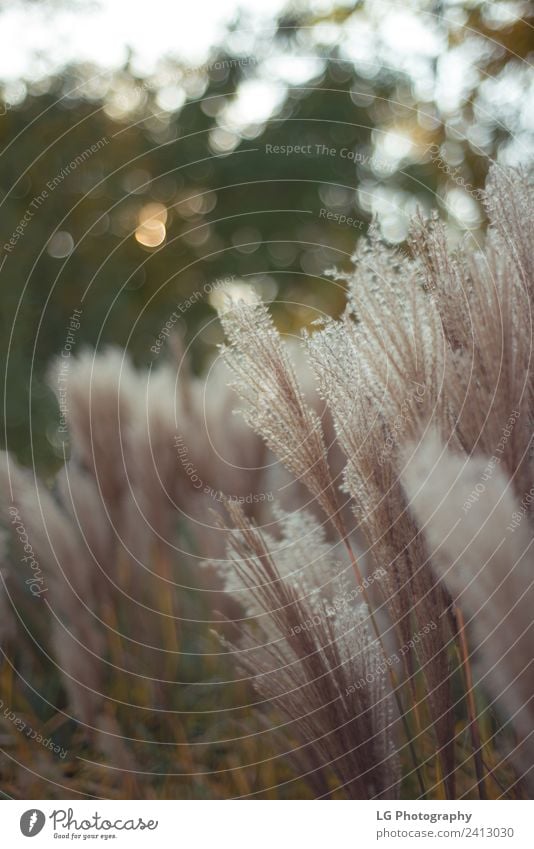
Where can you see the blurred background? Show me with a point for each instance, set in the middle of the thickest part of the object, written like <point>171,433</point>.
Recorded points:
<point>150,151</point>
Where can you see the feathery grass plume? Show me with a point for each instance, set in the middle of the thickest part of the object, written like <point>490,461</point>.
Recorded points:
<point>443,338</point>
<point>484,302</point>
<point>322,670</point>
<point>151,459</point>
<point>379,369</point>
<point>77,493</point>
<point>181,454</point>
<point>509,201</point>
<point>100,397</point>
<point>101,406</point>
<point>60,562</point>
<point>232,457</point>
<point>125,486</point>
<point>108,626</point>
<point>308,563</point>
<point>275,407</point>
<point>335,360</point>
<point>106,411</point>
<point>486,564</point>
<point>444,276</point>
<point>71,550</point>
<point>123,425</point>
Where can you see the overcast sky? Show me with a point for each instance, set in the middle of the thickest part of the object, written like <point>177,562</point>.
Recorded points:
<point>101,31</point>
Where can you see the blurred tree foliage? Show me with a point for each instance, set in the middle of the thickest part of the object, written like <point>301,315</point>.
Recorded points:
<point>84,154</point>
